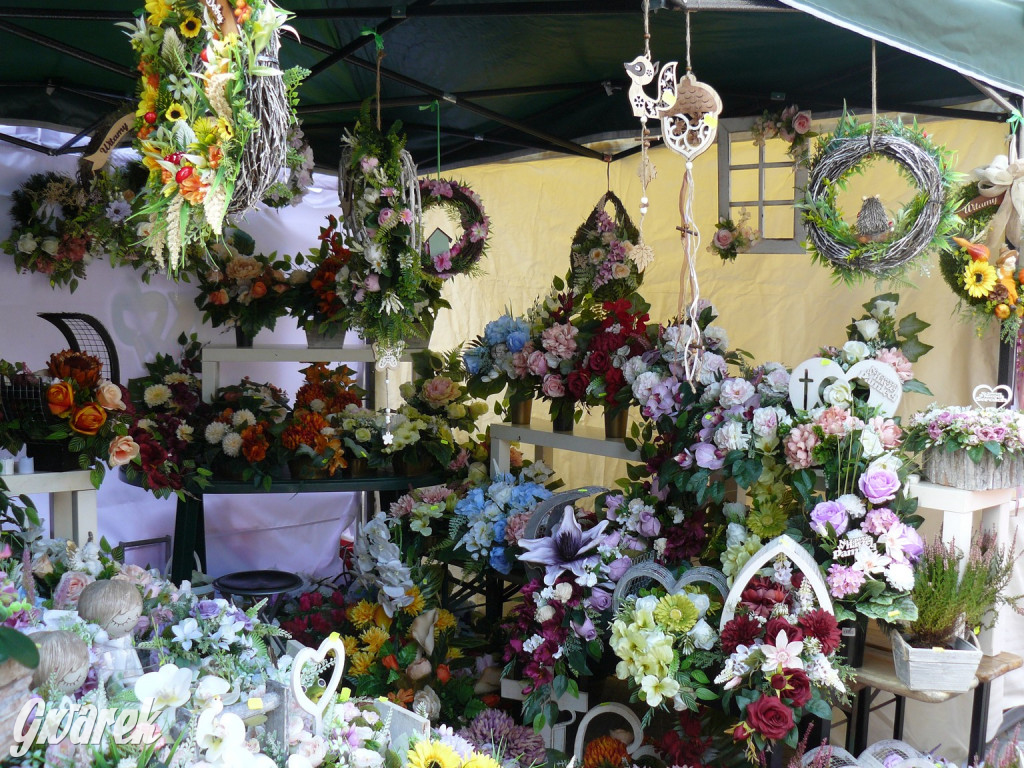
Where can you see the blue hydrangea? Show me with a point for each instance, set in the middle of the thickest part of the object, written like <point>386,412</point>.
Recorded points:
<point>497,331</point>
<point>476,360</point>
<point>499,559</point>
<point>485,512</point>
<point>517,340</point>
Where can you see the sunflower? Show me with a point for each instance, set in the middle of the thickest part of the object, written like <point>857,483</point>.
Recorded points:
<point>432,754</point>
<point>480,760</point>
<point>676,613</point>
<point>415,608</point>
<point>374,638</point>
<point>190,26</point>
<point>980,279</point>
<point>176,112</point>
<point>361,614</point>
<point>360,663</point>
<point>767,520</point>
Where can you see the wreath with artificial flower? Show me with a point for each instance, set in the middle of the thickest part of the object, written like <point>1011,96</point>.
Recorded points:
<point>212,117</point>
<point>62,223</point>
<point>464,255</point>
<point>987,285</point>
<point>922,225</point>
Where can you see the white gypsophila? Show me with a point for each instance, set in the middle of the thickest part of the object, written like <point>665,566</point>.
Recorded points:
<point>870,444</point>
<point>632,368</point>
<point>900,576</point>
<point>838,393</point>
<point>853,504</point>
<point>731,437</point>
<point>716,337</point>
<point>643,385</point>
<point>232,444</point>
<point>215,432</point>
<point>867,328</point>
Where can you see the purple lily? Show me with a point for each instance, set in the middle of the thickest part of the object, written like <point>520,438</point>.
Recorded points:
<point>568,548</point>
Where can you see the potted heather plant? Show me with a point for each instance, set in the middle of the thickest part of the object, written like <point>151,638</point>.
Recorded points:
<point>939,650</point>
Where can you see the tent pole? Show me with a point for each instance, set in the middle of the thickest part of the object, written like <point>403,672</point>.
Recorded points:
<point>1008,361</point>
<point>76,53</point>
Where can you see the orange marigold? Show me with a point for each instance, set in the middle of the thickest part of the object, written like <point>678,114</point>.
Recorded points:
<point>255,443</point>
<point>605,752</point>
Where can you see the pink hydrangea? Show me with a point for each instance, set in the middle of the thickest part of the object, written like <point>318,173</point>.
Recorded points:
<point>837,421</point>
<point>897,360</point>
<point>844,581</point>
<point>560,340</point>
<point>798,446</point>
<point>515,527</point>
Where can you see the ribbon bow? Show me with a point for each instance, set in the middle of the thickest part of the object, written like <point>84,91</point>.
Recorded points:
<point>1003,176</point>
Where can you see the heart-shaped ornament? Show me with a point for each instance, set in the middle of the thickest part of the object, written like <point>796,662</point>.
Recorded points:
<point>634,748</point>
<point>884,386</point>
<point>332,644</point>
<point>639,575</point>
<point>985,396</point>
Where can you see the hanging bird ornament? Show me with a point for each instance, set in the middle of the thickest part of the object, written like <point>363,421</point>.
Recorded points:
<point>641,72</point>
<point>873,225</point>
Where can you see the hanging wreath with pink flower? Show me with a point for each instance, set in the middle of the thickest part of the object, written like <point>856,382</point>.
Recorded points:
<point>463,257</point>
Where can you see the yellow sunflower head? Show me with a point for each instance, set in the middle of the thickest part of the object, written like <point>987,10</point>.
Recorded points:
<point>980,279</point>
<point>432,754</point>
<point>478,760</point>
<point>374,638</point>
<point>676,613</point>
<point>176,112</point>
<point>190,26</point>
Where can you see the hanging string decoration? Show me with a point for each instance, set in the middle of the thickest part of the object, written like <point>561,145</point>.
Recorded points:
<point>876,246</point>
<point>213,116</point>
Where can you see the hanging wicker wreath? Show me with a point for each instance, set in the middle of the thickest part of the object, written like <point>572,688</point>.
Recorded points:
<point>920,226</point>
<point>464,255</point>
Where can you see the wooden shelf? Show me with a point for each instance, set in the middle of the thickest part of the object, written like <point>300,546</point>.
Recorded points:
<point>588,440</point>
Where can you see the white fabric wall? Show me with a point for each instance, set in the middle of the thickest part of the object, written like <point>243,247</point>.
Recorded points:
<point>299,534</point>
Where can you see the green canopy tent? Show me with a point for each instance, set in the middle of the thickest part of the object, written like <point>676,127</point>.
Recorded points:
<point>542,75</point>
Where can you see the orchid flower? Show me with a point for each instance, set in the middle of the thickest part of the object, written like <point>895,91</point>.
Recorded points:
<point>783,655</point>
<point>568,548</point>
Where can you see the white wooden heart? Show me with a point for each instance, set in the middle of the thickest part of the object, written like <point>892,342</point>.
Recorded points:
<point>653,572</point>
<point>332,644</point>
<point>884,386</point>
<point>635,748</point>
<point>783,545</point>
<point>985,396</point>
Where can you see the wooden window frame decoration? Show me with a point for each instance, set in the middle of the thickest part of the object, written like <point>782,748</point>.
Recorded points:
<point>727,130</point>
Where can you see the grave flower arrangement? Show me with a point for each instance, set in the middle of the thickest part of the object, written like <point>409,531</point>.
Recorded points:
<point>325,291</point>
<point>507,354</point>
<point>243,441</point>
<point>438,389</point>
<point>463,256</point>
<point>620,335</point>
<point>601,259</point>
<point>733,238</point>
<point>978,431</point>
<point>791,124</point>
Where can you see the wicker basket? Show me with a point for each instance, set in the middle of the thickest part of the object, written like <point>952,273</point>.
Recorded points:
<point>936,669</point>
<point>955,469</point>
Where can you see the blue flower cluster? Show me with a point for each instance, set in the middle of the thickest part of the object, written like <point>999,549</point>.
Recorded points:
<point>502,338</point>
<point>484,513</point>
<point>507,330</point>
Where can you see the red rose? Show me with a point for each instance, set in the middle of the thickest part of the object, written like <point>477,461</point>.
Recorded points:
<point>798,686</point>
<point>770,717</point>
<point>577,383</point>
<point>741,630</point>
<point>778,624</point>
<point>598,362</point>
<point>822,626</point>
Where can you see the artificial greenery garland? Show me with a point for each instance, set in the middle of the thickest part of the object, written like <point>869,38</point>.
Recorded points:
<point>922,225</point>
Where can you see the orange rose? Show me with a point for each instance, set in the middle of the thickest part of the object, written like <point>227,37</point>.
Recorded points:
<point>218,298</point>
<point>122,450</point>
<point>258,290</point>
<point>390,662</point>
<point>61,399</point>
<point>444,674</point>
<point>109,395</point>
<point>88,419</point>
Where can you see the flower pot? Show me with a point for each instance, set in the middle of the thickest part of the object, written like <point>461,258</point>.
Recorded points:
<point>936,669</point>
<point>615,424</point>
<point>563,418</point>
<point>242,339</point>
<point>358,468</point>
<point>14,694</point>
<point>306,468</point>
<point>334,338</point>
<point>411,467</point>
<point>51,456</point>
<point>520,411</point>
<point>854,634</point>
<point>955,469</point>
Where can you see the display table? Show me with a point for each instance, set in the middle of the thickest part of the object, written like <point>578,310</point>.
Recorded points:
<point>878,675</point>
<point>589,440</point>
<point>190,515</point>
<point>72,501</point>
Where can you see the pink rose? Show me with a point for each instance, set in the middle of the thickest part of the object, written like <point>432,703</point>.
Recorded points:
<point>122,450</point>
<point>802,123</point>
<point>109,396</point>
<point>69,589</point>
<point>888,431</point>
<point>897,360</point>
<point>439,391</point>
<point>372,283</point>
<point>723,239</point>
<point>560,340</point>
<point>419,669</point>
<point>367,164</point>
<point>553,386</point>
<point>537,363</point>
<point>786,134</point>
<point>386,214</point>
<point>520,364</point>
<point>789,112</point>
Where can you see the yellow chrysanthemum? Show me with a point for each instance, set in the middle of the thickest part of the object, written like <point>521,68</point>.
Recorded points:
<point>360,663</point>
<point>206,131</point>
<point>351,645</point>
<point>980,279</point>
<point>176,112</point>
<point>477,760</point>
<point>415,608</point>
<point>676,613</point>
<point>432,754</point>
<point>445,620</point>
<point>454,653</point>
<point>374,638</point>
<point>147,100</point>
<point>361,614</point>
<point>191,26</point>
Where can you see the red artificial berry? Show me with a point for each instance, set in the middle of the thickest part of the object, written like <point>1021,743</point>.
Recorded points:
<point>183,173</point>
<point>150,117</point>
<point>174,157</point>
<point>205,55</point>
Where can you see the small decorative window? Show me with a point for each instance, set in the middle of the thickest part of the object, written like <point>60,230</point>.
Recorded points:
<point>760,182</point>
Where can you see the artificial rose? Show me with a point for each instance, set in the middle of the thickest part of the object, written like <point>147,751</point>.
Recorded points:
<point>855,351</point>
<point>577,383</point>
<point>419,669</point>
<point>770,717</point>
<point>723,239</point>
<point>439,391</point>
<point>88,419</point>
<point>122,450</point>
<point>802,122</point>
<point>218,298</point>
<point>826,513</point>
<point>69,589</point>
<point>867,328</point>
<point>537,364</point>
<point>60,398</point>
<point>553,386</point>
<point>258,290</point>
<point>798,686</point>
<point>50,245</point>
<point>599,361</point>
<point>879,485</point>
<point>560,340</point>
<point>243,268</point>
<point>109,395</point>
<point>27,243</point>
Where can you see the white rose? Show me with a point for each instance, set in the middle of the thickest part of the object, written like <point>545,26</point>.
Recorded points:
<point>50,245</point>
<point>366,758</point>
<point>867,328</point>
<point>546,612</point>
<point>703,635</point>
<point>870,444</point>
<point>735,535</point>
<point>701,602</point>
<point>855,351</point>
<point>882,309</point>
<point>838,393</point>
<point>648,603</point>
<point>27,243</point>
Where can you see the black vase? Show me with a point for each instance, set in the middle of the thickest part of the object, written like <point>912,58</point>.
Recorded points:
<point>242,339</point>
<point>854,637</point>
<point>51,456</point>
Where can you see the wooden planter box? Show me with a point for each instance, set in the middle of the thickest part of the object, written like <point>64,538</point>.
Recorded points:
<point>14,693</point>
<point>936,669</point>
<point>955,469</point>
